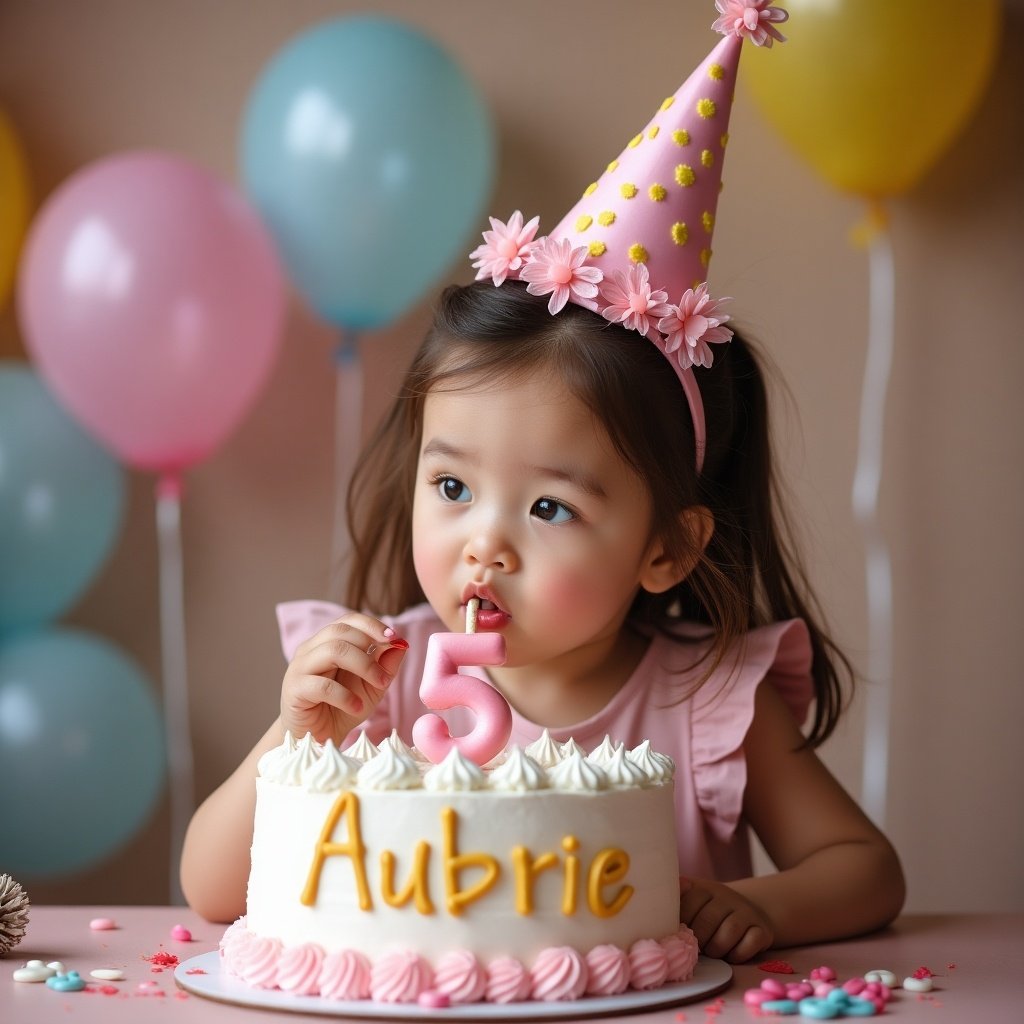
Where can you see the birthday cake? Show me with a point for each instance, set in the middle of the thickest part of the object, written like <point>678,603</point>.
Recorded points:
<point>548,874</point>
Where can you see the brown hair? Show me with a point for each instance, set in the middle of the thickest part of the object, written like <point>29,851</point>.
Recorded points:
<point>747,576</point>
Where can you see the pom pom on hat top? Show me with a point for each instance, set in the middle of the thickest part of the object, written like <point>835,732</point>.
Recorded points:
<point>636,246</point>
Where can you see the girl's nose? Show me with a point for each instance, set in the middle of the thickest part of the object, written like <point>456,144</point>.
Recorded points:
<point>490,548</point>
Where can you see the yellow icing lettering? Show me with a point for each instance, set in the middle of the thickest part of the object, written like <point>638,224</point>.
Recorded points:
<point>454,862</point>
<point>526,869</point>
<point>347,804</point>
<point>416,888</point>
<point>608,867</point>
<point>570,875</point>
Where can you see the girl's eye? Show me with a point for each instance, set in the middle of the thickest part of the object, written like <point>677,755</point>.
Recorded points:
<point>552,511</point>
<point>452,489</point>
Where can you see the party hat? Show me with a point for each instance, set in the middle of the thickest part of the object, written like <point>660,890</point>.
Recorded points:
<point>636,246</point>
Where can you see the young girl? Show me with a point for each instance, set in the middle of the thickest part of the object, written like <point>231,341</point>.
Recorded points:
<point>553,453</point>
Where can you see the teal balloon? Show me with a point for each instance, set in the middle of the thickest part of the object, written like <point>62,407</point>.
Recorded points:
<point>61,503</point>
<point>369,156</point>
<point>81,751</point>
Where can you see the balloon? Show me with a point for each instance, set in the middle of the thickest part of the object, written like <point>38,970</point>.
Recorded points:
<point>152,300</point>
<point>61,503</point>
<point>370,156</point>
<point>81,751</point>
<point>14,203</point>
<point>871,92</point>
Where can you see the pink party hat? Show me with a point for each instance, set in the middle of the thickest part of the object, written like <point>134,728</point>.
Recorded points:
<point>636,246</point>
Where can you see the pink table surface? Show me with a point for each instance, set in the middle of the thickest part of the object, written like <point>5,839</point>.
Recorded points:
<point>978,960</point>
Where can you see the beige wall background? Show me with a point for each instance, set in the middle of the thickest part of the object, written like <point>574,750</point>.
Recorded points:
<point>567,82</point>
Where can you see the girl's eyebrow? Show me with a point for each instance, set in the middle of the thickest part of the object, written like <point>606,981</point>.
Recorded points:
<point>437,447</point>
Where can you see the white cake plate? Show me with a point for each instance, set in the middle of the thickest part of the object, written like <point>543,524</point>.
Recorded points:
<point>710,977</point>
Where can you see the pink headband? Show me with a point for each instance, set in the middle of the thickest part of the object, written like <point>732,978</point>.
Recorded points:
<point>642,230</point>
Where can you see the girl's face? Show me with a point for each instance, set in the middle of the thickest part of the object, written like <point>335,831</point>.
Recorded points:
<point>522,500</point>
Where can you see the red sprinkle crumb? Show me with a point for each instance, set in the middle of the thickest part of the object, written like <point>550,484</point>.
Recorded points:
<point>195,970</point>
<point>162,959</point>
<point>776,967</point>
<point>923,972</point>
<point>950,967</point>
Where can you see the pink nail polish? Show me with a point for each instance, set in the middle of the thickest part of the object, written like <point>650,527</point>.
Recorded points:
<point>389,632</point>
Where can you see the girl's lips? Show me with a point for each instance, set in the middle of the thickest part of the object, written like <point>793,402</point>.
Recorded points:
<point>492,618</point>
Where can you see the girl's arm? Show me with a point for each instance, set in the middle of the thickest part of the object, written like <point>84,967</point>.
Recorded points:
<point>336,679</point>
<point>215,855</point>
<point>837,874</point>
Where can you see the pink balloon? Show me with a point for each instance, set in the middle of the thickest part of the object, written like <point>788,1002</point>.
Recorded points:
<point>152,300</point>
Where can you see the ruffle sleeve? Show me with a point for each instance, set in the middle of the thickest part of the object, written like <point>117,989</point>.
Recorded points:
<point>299,620</point>
<point>723,709</point>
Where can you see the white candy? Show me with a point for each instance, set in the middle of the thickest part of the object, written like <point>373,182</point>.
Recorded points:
<point>107,974</point>
<point>30,974</point>
<point>913,984</point>
<point>57,967</point>
<point>883,977</point>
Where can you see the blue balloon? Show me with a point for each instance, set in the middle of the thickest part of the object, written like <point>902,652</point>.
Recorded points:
<point>369,156</point>
<point>61,503</point>
<point>81,751</point>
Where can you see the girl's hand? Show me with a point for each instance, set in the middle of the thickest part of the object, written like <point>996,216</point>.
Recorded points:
<point>338,676</point>
<point>727,925</point>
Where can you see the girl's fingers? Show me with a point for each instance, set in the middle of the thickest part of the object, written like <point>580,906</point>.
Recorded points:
<point>362,630</point>
<point>336,654</point>
<point>313,690</point>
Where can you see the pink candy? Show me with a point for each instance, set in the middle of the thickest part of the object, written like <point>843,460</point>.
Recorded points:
<point>181,934</point>
<point>102,924</point>
<point>823,974</point>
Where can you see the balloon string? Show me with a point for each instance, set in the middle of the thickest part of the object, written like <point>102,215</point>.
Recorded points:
<point>348,424</point>
<point>175,679</point>
<point>866,483</point>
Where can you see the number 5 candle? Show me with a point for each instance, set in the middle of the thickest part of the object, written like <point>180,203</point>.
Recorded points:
<point>443,687</point>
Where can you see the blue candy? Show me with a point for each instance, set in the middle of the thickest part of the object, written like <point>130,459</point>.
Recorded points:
<point>784,1007</point>
<point>70,982</point>
<point>857,1007</point>
<point>820,1009</point>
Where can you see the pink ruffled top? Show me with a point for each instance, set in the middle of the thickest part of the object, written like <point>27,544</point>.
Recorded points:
<point>703,734</point>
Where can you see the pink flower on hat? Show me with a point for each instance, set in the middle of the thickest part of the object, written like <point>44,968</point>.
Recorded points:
<point>555,267</point>
<point>505,248</point>
<point>750,19</point>
<point>693,325</point>
<point>629,300</point>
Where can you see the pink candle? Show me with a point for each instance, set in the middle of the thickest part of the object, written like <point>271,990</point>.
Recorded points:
<point>443,688</point>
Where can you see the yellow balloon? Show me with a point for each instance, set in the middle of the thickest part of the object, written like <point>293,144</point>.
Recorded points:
<point>871,92</point>
<point>14,203</point>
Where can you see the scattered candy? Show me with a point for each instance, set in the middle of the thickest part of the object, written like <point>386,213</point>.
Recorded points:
<point>107,974</point>
<point>916,984</point>
<point>820,1000</point>
<point>70,982</point>
<point>56,966</point>
<point>924,972</point>
<point>883,977</point>
<point>181,934</point>
<point>434,1000</point>
<point>102,924</point>
<point>823,974</point>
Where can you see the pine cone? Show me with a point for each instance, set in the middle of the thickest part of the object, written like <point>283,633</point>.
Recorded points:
<point>14,906</point>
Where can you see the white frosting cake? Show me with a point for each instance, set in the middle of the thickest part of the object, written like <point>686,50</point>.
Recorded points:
<point>549,874</point>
